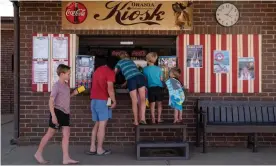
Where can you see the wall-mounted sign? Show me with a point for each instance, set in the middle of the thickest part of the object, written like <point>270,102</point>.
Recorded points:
<point>127,15</point>
<point>221,61</point>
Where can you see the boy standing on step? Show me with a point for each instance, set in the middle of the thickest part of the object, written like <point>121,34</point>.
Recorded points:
<point>153,75</point>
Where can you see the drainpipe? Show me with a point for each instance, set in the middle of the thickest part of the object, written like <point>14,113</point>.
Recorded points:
<point>16,71</point>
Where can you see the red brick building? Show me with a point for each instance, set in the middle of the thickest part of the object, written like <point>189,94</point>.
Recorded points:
<point>7,65</point>
<point>46,17</point>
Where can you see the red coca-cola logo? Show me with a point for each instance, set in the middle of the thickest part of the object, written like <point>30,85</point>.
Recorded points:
<point>138,53</point>
<point>75,12</point>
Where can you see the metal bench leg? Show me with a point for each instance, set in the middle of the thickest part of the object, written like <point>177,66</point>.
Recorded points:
<point>204,141</point>
<point>198,135</point>
<point>255,143</point>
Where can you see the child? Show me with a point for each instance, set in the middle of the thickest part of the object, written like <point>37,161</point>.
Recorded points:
<point>153,75</point>
<point>176,94</point>
<point>59,104</point>
<point>135,81</point>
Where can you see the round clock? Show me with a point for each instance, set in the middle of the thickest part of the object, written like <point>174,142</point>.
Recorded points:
<point>227,14</point>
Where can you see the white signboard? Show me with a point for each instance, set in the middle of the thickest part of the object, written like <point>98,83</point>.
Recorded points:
<point>60,47</point>
<point>40,70</point>
<point>40,47</point>
<point>55,65</point>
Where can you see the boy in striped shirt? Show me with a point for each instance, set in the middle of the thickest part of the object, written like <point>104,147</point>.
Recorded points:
<point>135,81</point>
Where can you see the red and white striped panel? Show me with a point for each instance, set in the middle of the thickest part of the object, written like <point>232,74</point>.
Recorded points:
<point>204,80</point>
<point>72,54</point>
<point>40,87</point>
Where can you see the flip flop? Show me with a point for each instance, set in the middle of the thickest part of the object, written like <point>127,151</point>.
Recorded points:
<point>91,153</point>
<point>106,152</point>
<point>143,122</point>
<point>161,121</point>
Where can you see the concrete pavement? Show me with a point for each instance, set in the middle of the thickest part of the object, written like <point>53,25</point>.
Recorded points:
<point>23,155</point>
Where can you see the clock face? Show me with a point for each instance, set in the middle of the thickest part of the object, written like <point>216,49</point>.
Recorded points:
<point>227,14</point>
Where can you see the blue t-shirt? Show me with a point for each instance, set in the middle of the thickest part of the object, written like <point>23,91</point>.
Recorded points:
<point>153,75</point>
<point>128,68</point>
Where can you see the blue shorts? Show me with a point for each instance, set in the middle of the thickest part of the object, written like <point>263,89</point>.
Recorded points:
<point>100,111</point>
<point>136,82</point>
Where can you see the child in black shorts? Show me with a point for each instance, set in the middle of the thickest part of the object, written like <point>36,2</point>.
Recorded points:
<point>154,78</point>
<point>59,104</point>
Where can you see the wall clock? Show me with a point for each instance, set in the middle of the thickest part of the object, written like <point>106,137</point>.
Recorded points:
<point>227,14</point>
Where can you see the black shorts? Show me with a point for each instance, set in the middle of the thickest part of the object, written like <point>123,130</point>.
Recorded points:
<point>155,94</point>
<point>136,82</point>
<point>62,118</point>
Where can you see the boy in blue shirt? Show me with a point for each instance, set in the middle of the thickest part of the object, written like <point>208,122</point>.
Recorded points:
<point>154,78</point>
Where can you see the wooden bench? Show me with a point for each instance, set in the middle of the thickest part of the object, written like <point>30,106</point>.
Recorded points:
<point>177,144</point>
<point>250,117</point>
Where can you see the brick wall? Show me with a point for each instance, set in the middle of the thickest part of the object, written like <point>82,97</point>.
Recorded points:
<point>256,17</point>
<point>6,71</point>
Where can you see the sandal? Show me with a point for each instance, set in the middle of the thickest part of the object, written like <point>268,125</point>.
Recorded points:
<point>142,122</point>
<point>91,153</point>
<point>161,121</point>
<point>106,152</point>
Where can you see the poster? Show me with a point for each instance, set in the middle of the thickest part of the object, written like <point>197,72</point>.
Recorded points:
<point>60,47</point>
<point>40,47</point>
<point>40,72</point>
<point>84,70</point>
<point>55,66</point>
<point>166,63</point>
<point>246,68</point>
<point>194,56</point>
<point>221,62</point>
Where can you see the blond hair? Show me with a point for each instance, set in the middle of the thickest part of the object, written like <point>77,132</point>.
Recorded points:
<point>176,72</point>
<point>151,57</point>
<point>124,55</point>
<point>62,69</point>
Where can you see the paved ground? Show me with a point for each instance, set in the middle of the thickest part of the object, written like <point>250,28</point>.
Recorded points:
<point>126,156</point>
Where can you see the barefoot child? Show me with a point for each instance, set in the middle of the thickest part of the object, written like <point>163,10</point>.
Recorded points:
<point>153,76</point>
<point>135,81</point>
<point>176,94</point>
<point>59,104</point>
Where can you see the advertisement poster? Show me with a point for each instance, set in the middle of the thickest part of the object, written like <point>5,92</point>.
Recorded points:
<point>55,65</point>
<point>194,56</point>
<point>40,71</point>
<point>166,63</point>
<point>246,68</point>
<point>221,61</point>
<point>60,47</point>
<point>40,47</point>
<point>84,70</point>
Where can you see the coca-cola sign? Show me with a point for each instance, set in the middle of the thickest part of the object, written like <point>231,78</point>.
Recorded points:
<point>76,12</point>
<point>139,53</point>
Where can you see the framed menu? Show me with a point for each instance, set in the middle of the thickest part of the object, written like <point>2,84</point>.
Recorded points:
<point>54,73</point>
<point>40,47</point>
<point>40,72</point>
<point>60,47</point>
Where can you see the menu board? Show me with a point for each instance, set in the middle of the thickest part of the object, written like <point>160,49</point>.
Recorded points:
<point>84,70</point>
<point>40,47</point>
<point>60,47</point>
<point>55,66</point>
<point>40,72</point>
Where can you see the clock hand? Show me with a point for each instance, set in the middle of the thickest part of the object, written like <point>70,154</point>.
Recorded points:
<point>230,11</point>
